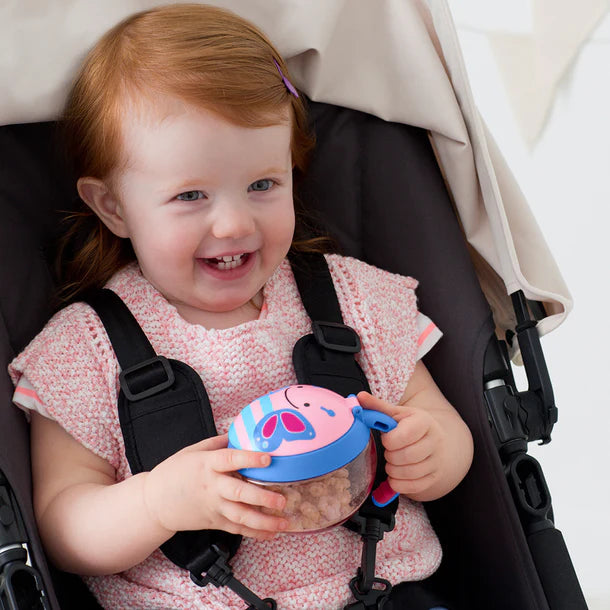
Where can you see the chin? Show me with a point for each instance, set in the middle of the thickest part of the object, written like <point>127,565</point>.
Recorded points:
<point>225,306</point>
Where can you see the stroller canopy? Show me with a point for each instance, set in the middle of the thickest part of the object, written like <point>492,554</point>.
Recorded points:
<point>398,60</point>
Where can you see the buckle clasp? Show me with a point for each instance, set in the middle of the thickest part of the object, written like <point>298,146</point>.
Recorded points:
<point>220,574</point>
<point>148,371</point>
<point>344,338</point>
<point>375,597</point>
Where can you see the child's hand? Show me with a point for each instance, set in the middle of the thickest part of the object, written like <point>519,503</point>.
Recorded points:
<point>414,450</point>
<point>194,489</point>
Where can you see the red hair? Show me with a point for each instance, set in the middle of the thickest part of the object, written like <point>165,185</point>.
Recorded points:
<point>205,56</point>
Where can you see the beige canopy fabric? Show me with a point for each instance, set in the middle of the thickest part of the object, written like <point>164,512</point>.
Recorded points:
<point>397,59</point>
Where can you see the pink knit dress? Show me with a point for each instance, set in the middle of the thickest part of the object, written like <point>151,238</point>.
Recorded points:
<point>69,373</point>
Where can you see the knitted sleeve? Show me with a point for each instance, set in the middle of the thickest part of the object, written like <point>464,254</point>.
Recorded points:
<point>71,368</point>
<point>382,307</point>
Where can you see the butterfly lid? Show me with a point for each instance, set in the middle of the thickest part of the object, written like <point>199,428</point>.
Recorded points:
<point>309,431</point>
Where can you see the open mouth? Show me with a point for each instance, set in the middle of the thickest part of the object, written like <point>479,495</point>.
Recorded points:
<point>225,263</point>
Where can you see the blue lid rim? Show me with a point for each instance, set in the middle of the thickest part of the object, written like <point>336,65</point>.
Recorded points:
<point>314,463</point>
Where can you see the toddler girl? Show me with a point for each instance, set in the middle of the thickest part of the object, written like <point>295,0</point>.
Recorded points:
<point>185,131</point>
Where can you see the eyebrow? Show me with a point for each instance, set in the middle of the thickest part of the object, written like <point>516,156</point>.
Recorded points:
<point>274,170</point>
<point>177,188</point>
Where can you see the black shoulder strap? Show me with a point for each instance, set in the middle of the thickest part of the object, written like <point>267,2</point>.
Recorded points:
<point>316,286</point>
<point>325,357</point>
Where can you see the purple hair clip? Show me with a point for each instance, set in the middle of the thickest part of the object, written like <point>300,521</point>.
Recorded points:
<point>288,84</point>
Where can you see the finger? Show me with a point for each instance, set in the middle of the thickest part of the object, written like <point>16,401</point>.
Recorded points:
<point>403,437</point>
<point>411,429</point>
<point>229,460</point>
<point>233,528</point>
<point>411,453</point>
<point>238,490</point>
<point>413,424</point>
<point>410,472</point>
<point>413,487</point>
<point>210,444</point>
<point>244,516</point>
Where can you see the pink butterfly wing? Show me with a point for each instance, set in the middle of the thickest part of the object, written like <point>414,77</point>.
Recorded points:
<point>291,422</point>
<point>269,427</point>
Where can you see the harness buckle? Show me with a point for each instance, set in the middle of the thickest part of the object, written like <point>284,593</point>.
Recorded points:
<point>373,526</point>
<point>336,337</point>
<point>370,591</point>
<point>220,574</point>
<point>148,371</point>
<point>375,597</point>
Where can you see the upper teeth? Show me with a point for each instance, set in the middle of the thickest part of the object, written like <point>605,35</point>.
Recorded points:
<point>229,262</point>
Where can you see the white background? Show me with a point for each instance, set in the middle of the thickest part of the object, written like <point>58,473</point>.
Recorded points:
<point>565,176</point>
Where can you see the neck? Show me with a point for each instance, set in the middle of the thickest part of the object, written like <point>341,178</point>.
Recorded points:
<point>223,319</point>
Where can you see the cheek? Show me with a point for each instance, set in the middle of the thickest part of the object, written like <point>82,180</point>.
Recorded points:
<point>284,220</point>
<point>163,237</point>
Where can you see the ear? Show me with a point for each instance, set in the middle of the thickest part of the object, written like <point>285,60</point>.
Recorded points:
<point>97,195</point>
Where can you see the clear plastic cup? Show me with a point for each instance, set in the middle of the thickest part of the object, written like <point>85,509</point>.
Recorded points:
<point>328,500</point>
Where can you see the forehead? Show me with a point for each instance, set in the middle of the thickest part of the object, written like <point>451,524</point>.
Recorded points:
<point>156,135</point>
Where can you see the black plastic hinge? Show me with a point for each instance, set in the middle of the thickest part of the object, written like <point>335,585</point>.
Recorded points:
<point>21,585</point>
<point>220,574</point>
<point>538,400</point>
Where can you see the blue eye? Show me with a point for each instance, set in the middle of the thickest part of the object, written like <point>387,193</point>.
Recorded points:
<point>190,196</point>
<point>262,185</point>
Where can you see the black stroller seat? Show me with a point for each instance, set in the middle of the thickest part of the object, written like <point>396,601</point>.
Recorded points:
<point>378,189</point>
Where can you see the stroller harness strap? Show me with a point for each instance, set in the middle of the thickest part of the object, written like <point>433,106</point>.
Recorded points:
<point>164,407</point>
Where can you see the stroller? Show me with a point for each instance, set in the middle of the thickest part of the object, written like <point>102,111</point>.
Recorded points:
<point>400,145</point>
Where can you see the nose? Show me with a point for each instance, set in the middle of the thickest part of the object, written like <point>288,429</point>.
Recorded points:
<point>232,219</point>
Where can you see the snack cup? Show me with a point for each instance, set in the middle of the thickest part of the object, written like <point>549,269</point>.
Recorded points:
<point>323,454</point>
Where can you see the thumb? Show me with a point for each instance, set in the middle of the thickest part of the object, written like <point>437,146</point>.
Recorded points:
<point>368,401</point>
